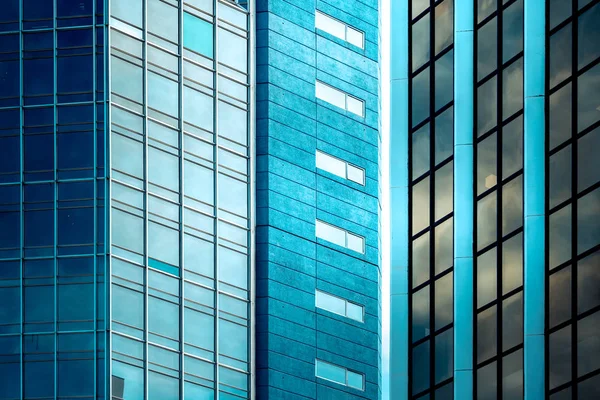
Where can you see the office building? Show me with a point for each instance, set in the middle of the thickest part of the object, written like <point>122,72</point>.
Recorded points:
<point>495,196</point>
<point>125,245</point>
<point>317,266</point>
<point>128,198</point>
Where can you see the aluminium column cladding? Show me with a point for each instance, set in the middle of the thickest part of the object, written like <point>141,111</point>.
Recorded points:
<point>318,328</point>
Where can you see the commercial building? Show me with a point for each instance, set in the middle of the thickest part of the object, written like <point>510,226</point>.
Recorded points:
<point>317,268</point>
<point>127,202</point>
<point>495,189</point>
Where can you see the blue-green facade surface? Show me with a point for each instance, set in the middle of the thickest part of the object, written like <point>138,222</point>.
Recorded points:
<point>125,213</point>
<point>306,349</point>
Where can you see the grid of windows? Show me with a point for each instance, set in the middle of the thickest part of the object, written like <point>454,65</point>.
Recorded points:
<point>431,62</point>
<point>573,200</point>
<point>499,200</point>
<point>52,254</point>
<point>179,199</point>
<point>339,29</point>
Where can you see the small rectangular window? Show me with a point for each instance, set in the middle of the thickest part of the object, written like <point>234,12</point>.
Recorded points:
<point>339,29</point>
<point>339,99</point>
<point>340,375</point>
<point>339,236</point>
<point>340,168</point>
<point>339,306</point>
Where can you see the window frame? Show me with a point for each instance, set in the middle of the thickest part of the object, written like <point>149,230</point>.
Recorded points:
<point>347,27</point>
<point>346,234</point>
<point>347,166</point>
<point>346,371</point>
<point>346,303</point>
<point>346,95</point>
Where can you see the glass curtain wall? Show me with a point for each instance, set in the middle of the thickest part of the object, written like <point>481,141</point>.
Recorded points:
<point>52,191</point>
<point>498,179</point>
<point>179,199</point>
<point>573,199</point>
<point>431,192</point>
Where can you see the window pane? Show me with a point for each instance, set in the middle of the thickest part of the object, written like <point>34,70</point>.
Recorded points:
<point>331,164</point>
<point>560,177</point>
<point>233,340</point>
<point>560,357</point>
<point>588,282</point>
<point>330,95</point>
<point>487,176</point>
<point>199,329</point>
<point>420,151</point>
<point>233,50</point>
<point>560,237</point>
<point>162,387</point>
<point>487,382</point>
<point>512,376</point>
<point>420,314</point>
<point>163,94</point>
<point>420,42</point>
<point>133,314</point>
<point>444,78</point>
<point>560,116</point>
<point>330,233</point>
<point>559,11</point>
<point>512,30</point>
<point>356,174</point>
<point>588,45</point>
<point>512,89</point>
<point>331,372</point>
<point>512,263</point>
<point>560,65</point>
<point>163,318</point>
<point>355,106</point>
<point>512,205</point>
<point>486,106</point>
<point>444,135</point>
<point>355,380</point>
<point>444,181</point>
<point>486,334</point>
<point>355,37</point>
<point>163,243</point>
<point>198,108</point>
<point>588,87</point>
<point>484,9</point>
<point>330,25</point>
<point>444,355</point>
<point>198,35</point>
<point>486,221</point>
<point>420,364</point>
<point>588,221</point>
<point>356,243</point>
<point>512,147</point>
<point>486,277</point>
<point>233,195</point>
<point>233,123</point>
<point>588,344</point>
<point>589,389</point>
<point>588,163</point>
<point>560,297</point>
<point>420,260</point>
<point>355,312</point>
<point>420,97</point>
<point>487,49</point>
<point>233,267</point>
<point>330,303</point>
<point>420,204</point>
<point>444,242</point>
<point>443,301</point>
<point>512,321</point>
<point>444,25</point>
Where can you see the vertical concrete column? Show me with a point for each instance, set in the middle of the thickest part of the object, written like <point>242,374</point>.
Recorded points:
<point>463,198</point>
<point>399,239</point>
<point>534,195</point>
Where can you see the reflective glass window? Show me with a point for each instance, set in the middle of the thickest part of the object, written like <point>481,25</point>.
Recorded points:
<point>198,35</point>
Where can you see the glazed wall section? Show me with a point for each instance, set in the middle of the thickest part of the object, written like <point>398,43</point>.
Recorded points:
<point>292,193</point>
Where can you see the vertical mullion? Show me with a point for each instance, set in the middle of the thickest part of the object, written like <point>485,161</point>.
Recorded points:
<point>216,189</point>
<point>95,207</point>
<point>574,210</point>
<point>409,201</point>
<point>499,186</point>
<point>21,209</point>
<point>55,185</point>
<point>432,175</point>
<point>181,211</point>
<point>145,159</point>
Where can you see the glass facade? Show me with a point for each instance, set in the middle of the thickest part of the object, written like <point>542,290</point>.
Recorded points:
<point>573,200</point>
<point>125,212</point>
<point>431,163</point>
<point>523,236</point>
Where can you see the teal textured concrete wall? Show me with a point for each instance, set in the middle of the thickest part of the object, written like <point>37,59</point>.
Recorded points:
<point>291,193</point>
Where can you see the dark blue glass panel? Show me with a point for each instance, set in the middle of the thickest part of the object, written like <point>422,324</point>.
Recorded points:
<point>75,74</point>
<point>76,303</point>
<point>10,312</point>
<point>9,218</point>
<point>38,377</point>
<point>71,13</point>
<point>39,304</point>
<point>10,369</point>
<point>75,226</point>
<point>76,377</point>
<point>38,79</point>
<point>9,71</point>
<point>37,14</point>
<point>9,18</point>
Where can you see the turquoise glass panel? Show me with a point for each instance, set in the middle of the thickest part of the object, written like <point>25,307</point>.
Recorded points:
<point>198,35</point>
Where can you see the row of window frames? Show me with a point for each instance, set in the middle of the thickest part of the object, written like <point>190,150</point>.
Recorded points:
<point>339,306</point>
<point>339,98</point>
<point>340,167</point>
<point>339,29</point>
<point>339,375</point>
<point>339,236</point>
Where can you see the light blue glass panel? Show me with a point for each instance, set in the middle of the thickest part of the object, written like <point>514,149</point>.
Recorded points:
<point>162,387</point>
<point>163,94</point>
<point>233,50</point>
<point>199,329</point>
<point>233,340</point>
<point>163,169</point>
<point>198,108</point>
<point>163,317</point>
<point>198,35</point>
<point>198,182</point>
<point>133,314</point>
<point>233,195</point>
<point>163,243</point>
<point>356,380</point>
<point>128,231</point>
<point>233,267</point>
<point>331,372</point>
<point>233,123</point>
<point>133,378</point>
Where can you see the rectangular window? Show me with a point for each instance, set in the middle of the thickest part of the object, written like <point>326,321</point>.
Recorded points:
<point>340,168</point>
<point>340,237</point>
<point>341,375</point>
<point>339,99</point>
<point>339,29</point>
<point>339,306</point>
